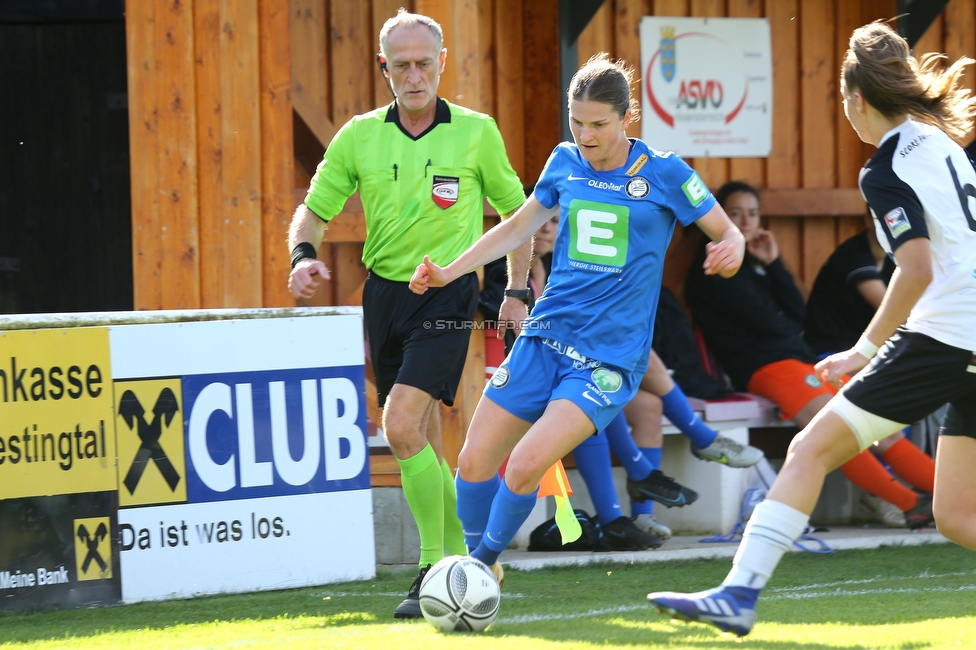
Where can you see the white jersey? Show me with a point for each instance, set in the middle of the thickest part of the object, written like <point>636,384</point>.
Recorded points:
<point>921,184</point>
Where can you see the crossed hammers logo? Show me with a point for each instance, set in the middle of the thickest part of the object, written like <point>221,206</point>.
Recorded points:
<point>92,543</point>
<point>132,412</point>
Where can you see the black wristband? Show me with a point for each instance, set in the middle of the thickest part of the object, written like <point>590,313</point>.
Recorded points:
<point>521,294</point>
<point>302,251</point>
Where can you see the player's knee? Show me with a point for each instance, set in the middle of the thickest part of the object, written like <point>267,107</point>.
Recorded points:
<point>955,524</point>
<point>405,442</point>
<point>467,464</point>
<point>522,475</point>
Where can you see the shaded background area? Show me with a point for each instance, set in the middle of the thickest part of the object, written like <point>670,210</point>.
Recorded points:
<point>65,215</point>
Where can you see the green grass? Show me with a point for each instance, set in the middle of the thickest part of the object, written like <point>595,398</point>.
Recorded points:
<point>911,597</point>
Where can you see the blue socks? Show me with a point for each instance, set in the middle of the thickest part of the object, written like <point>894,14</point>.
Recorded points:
<point>508,512</point>
<point>473,505</point>
<point>678,410</point>
<point>593,462</point>
<point>653,456</point>
<point>626,451</point>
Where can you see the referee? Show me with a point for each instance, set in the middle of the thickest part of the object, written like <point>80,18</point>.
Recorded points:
<point>422,167</point>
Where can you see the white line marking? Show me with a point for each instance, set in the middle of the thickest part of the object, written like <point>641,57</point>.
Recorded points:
<point>534,618</point>
<point>868,592</point>
<point>925,575</point>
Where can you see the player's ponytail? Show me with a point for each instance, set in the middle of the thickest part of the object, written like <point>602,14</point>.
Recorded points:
<point>881,67</point>
<point>608,82</point>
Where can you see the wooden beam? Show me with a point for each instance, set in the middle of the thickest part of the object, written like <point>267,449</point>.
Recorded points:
<point>839,202</point>
<point>147,256</point>
<point>240,123</point>
<point>277,153</point>
<point>542,97</point>
<point>316,121</point>
<point>175,79</point>
<point>783,164</point>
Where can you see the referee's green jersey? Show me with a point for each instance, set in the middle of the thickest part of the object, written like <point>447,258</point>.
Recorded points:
<point>421,195</point>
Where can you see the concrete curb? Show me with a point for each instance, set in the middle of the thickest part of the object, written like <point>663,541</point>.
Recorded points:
<point>690,548</point>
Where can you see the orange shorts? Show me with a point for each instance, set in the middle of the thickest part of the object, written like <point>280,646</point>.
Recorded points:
<point>790,383</point>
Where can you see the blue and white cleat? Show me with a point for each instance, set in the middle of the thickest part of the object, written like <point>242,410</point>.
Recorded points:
<point>730,609</point>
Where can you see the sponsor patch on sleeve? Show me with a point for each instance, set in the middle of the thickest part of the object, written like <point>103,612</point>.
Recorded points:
<point>897,222</point>
<point>695,190</point>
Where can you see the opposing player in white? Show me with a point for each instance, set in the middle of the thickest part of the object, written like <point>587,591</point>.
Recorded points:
<point>920,186</point>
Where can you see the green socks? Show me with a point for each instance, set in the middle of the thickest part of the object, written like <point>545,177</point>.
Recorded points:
<point>423,485</point>
<point>453,534</point>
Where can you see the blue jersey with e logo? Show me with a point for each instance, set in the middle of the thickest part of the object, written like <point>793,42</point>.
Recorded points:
<point>608,261</point>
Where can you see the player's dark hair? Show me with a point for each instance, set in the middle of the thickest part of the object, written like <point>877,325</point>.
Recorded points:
<point>734,187</point>
<point>608,82</point>
<point>880,66</point>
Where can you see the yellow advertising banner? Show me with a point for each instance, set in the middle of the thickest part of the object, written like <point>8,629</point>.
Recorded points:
<point>152,465</point>
<point>56,417</point>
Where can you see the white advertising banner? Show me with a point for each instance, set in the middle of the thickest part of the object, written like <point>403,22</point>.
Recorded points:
<point>243,461</point>
<point>707,86</point>
<point>246,545</point>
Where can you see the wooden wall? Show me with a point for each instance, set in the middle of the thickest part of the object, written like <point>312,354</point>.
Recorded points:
<point>232,105</point>
<point>211,152</point>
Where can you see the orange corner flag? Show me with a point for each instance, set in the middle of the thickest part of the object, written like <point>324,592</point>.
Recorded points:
<point>555,483</point>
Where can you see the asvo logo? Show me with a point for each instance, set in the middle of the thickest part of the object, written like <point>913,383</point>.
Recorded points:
<point>149,427</point>
<point>93,548</point>
<point>275,433</point>
<point>598,232</point>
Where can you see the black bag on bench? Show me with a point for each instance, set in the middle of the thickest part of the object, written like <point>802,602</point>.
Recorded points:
<point>546,536</point>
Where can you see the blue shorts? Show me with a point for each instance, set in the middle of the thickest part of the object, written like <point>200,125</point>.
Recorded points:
<point>540,370</point>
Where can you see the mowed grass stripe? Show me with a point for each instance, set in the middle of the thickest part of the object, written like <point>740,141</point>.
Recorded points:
<point>881,598</point>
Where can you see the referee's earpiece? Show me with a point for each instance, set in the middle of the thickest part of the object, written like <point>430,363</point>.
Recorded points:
<point>381,61</point>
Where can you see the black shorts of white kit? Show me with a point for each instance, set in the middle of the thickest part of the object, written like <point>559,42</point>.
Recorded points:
<point>419,340</point>
<point>912,375</point>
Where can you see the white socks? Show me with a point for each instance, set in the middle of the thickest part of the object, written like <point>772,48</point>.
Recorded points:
<point>770,532</point>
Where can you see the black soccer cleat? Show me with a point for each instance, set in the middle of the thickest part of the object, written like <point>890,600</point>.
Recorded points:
<point>622,535</point>
<point>920,515</point>
<point>410,607</point>
<point>661,488</point>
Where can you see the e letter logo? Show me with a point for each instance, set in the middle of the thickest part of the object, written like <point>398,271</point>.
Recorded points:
<point>598,232</point>
<point>695,190</point>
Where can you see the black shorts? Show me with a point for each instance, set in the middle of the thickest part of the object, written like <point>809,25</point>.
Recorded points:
<point>913,375</point>
<point>419,340</point>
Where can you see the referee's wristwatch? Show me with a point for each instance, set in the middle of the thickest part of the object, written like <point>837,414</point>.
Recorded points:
<point>521,294</point>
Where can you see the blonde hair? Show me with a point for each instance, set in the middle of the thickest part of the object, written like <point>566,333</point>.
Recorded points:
<point>879,65</point>
<point>606,81</point>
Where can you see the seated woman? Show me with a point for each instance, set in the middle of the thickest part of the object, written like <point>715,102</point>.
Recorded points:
<point>847,292</point>
<point>753,323</point>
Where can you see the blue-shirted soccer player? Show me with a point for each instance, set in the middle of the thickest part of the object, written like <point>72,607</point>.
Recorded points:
<point>584,350</point>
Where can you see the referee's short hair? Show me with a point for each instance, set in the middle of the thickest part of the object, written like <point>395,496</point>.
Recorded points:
<point>404,18</point>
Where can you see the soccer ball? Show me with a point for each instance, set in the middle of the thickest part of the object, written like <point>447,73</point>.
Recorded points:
<point>459,594</point>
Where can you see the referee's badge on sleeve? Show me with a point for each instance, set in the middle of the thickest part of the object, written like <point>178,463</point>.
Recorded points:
<point>445,191</point>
